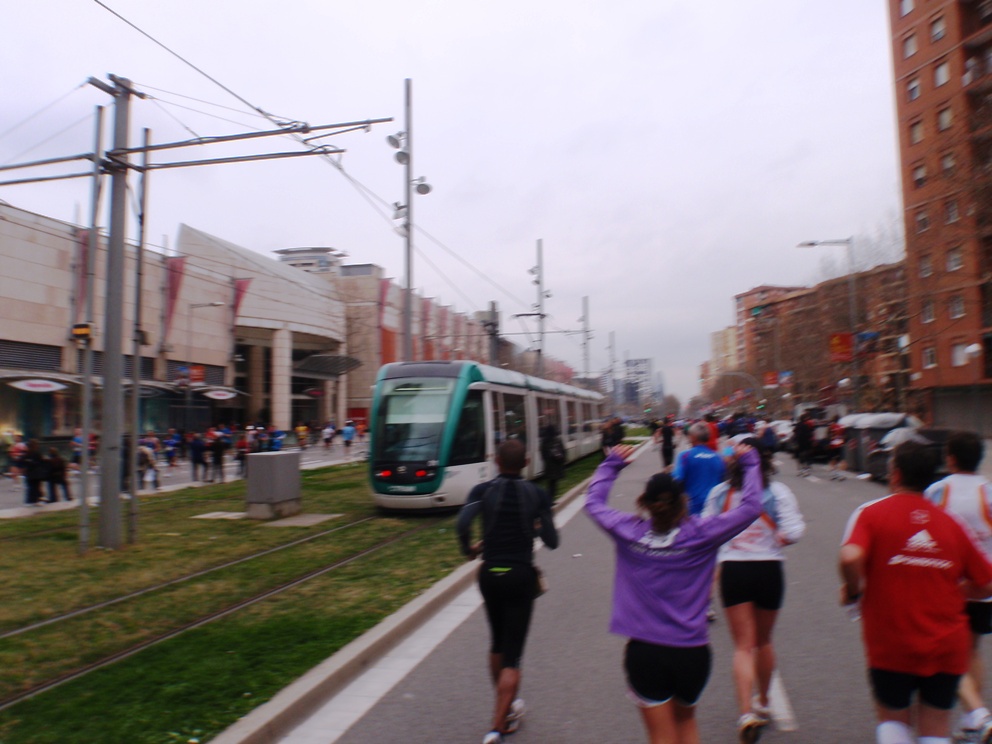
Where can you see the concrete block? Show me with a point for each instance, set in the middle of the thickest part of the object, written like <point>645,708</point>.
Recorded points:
<point>273,485</point>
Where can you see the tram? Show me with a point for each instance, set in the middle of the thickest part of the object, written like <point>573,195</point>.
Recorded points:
<point>436,425</point>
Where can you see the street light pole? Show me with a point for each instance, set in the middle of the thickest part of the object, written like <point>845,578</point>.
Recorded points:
<point>852,306</point>
<point>973,352</point>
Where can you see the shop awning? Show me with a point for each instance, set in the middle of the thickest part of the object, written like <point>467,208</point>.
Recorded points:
<point>325,366</point>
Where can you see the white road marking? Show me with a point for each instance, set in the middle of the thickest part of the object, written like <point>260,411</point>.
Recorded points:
<point>778,701</point>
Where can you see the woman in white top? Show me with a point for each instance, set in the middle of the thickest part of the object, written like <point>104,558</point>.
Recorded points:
<point>752,585</point>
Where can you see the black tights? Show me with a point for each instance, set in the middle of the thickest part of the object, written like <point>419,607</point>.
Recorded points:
<point>508,592</point>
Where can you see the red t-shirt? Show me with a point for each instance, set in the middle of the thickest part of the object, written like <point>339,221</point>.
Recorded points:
<point>714,442</point>
<point>912,610</point>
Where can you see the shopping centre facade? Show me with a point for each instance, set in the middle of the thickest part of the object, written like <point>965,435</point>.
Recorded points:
<point>227,334</point>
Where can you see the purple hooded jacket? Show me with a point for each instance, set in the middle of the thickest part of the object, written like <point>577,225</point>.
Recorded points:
<point>662,585</point>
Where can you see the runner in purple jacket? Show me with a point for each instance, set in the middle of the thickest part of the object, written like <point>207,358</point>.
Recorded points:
<point>665,565</point>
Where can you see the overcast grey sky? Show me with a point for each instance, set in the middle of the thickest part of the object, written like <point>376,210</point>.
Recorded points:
<point>670,153</point>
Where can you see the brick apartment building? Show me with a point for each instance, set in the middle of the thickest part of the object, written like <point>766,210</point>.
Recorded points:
<point>942,61</point>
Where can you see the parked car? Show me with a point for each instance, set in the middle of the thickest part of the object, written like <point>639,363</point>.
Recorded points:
<point>783,432</point>
<point>878,457</point>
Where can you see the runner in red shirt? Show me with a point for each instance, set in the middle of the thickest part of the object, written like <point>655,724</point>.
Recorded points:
<point>904,559</point>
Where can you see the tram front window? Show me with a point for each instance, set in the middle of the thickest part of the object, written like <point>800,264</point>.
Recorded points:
<point>410,420</point>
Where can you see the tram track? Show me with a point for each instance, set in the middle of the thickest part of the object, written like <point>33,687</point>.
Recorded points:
<point>204,619</point>
<point>178,580</point>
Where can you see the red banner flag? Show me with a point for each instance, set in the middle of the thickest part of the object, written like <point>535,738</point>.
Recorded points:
<point>841,347</point>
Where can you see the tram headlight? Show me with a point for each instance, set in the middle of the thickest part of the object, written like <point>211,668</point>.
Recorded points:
<point>384,474</point>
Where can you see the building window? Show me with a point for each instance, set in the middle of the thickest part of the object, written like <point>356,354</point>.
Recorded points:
<point>938,29</point>
<point>929,357</point>
<point>947,163</point>
<point>926,266</point>
<point>916,132</point>
<point>919,175</point>
<point>955,259</point>
<point>928,315</point>
<point>941,74</point>
<point>909,46</point>
<point>922,221</point>
<point>956,306</point>
<point>944,119</point>
<point>906,6</point>
<point>913,89</point>
<point>951,211</point>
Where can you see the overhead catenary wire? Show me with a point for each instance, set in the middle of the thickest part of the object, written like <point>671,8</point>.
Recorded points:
<point>42,110</point>
<point>364,191</point>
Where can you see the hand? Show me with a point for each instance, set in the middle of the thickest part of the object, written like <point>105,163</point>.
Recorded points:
<point>475,550</point>
<point>624,451</point>
<point>846,598</point>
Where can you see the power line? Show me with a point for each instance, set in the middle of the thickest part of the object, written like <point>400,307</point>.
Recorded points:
<point>41,110</point>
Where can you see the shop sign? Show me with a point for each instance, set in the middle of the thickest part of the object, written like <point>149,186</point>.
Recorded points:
<point>314,392</point>
<point>220,394</point>
<point>38,386</point>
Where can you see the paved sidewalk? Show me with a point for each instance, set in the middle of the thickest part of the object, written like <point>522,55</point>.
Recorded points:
<point>12,504</point>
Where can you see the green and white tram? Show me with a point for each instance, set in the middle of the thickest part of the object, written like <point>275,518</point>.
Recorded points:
<point>436,426</point>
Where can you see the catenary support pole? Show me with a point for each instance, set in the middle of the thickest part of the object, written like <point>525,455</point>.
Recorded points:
<point>110,441</point>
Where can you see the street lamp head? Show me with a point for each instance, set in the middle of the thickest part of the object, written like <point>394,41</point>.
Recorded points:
<point>808,244</point>
<point>423,188</point>
<point>402,157</point>
<point>396,140</point>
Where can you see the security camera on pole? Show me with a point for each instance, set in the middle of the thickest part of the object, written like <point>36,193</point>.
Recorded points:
<point>403,142</point>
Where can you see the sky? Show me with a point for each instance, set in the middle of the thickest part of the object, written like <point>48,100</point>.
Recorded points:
<point>669,154</point>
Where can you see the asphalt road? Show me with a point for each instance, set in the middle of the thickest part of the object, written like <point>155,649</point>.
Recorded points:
<point>572,677</point>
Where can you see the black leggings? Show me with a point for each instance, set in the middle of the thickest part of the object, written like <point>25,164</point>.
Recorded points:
<point>508,592</point>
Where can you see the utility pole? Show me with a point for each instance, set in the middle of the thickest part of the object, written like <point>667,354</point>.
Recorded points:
<point>539,281</point>
<point>586,336</point>
<point>492,328</point>
<point>408,253</point>
<point>113,367</point>
<point>613,370</point>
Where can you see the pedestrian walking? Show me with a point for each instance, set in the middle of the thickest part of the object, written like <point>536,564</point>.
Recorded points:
<point>512,511</point>
<point>328,435</point>
<point>554,457</point>
<point>803,435</point>
<point>302,432</point>
<point>34,467</point>
<point>57,472</point>
<point>664,570</point>
<point>967,494</point>
<point>348,435</point>
<point>906,561</point>
<point>197,449</point>
<point>147,468</point>
<point>665,436</point>
<point>835,448</point>
<point>217,447</point>
<point>752,584</point>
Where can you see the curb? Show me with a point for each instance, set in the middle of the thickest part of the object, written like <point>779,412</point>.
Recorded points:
<point>273,720</point>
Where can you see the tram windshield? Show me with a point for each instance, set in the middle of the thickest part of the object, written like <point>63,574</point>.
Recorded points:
<point>410,420</point>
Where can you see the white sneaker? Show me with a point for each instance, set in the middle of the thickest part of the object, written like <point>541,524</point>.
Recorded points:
<point>515,716</point>
<point>761,711</point>
<point>749,728</point>
<point>493,737</point>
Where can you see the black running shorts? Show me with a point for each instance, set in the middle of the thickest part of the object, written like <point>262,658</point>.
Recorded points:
<point>760,582</point>
<point>979,617</point>
<point>508,593</point>
<point>894,690</point>
<point>657,674</point>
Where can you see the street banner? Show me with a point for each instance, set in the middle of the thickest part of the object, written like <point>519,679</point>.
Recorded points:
<point>771,379</point>
<point>866,343</point>
<point>785,379</point>
<point>841,347</point>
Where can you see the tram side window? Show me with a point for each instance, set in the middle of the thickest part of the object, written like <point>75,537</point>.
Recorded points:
<point>469,444</point>
<point>572,412</point>
<point>550,413</point>
<point>499,435</point>
<point>514,417</point>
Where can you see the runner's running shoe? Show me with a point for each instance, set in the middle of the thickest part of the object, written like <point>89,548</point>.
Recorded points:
<point>515,716</point>
<point>493,737</point>
<point>749,728</point>
<point>761,711</point>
